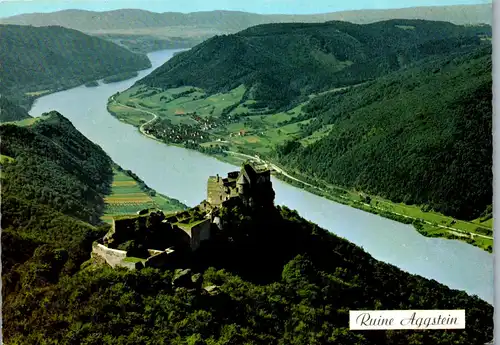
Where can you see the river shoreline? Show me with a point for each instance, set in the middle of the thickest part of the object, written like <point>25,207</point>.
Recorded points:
<point>229,157</point>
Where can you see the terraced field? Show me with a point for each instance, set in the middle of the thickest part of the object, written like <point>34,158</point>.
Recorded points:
<point>128,197</point>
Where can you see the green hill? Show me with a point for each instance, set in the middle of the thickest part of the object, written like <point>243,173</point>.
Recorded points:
<point>11,112</point>
<point>52,198</point>
<point>420,136</point>
<point>37,61</point>
<point>146,31</point>
<point>280,64</point>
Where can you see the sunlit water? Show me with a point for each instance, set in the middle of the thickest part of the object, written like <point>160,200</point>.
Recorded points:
<point>182,174</point>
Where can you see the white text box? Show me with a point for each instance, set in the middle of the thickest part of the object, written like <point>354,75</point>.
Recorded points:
<point>406,319</point>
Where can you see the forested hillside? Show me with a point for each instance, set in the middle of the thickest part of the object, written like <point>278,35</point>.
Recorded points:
<point>420,136</point>
<point>37,61</point>
<point>137,19</point>
<point>271,278</point>
<point>279,279</point>
<point>53,184</point>
<point>145,31</point>
<point>10,111</point>
<point>283,63</point>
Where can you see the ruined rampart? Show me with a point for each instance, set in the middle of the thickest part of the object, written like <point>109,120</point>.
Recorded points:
<point>113,257</point>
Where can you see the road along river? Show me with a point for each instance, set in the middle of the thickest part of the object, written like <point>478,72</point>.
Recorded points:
<point>182,174</point>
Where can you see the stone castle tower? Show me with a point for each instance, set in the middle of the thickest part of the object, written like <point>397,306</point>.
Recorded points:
<point>252,186</point>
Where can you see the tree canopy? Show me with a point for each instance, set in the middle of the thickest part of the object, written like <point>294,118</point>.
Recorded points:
<point>282,63</point>
<point>419,136</point>
<point>37,59</point>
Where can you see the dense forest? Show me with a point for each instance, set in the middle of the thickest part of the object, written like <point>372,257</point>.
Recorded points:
<point>145,31</point>
<point>10,111</point>
<point>283,63</point>
<point>37,59</point>
<point>429,125</point>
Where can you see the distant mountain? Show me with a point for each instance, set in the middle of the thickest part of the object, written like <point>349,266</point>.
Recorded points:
<point>145,31</point>
<point>283,63</point>
<point>41,60</point>
<point>125,19</point>
<point>11,112</point>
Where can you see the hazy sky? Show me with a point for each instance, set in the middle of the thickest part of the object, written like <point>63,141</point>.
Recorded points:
<point>13,7</point>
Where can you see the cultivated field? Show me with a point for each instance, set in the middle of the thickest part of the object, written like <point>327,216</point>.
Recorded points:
<point>128,197</point>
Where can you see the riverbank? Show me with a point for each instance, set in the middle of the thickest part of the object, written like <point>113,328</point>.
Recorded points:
<point>120,77</point>
<point>427,223</point>
<point>31,97</point>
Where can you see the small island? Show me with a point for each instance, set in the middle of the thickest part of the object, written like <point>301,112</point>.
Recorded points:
<point>120,77</point>
<point>92,83</point>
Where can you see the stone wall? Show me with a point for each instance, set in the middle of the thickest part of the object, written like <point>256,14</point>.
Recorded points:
<point>153,252</point>
<point>200,232</point>
<point>113,257</point>
<point>131,265</point>
<point>157,261</point>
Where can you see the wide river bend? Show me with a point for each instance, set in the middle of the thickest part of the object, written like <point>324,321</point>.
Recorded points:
<point>182,174</point>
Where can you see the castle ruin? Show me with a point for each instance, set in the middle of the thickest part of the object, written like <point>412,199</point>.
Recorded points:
<point>153,239</point>
<point>253,186</point>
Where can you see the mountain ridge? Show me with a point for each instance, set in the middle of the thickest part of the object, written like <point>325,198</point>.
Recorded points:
<point>387,13</point>
<point>281,63</point>
<point>146,31</point>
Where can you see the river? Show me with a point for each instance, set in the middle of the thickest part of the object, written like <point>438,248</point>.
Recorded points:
<point>182,174</point>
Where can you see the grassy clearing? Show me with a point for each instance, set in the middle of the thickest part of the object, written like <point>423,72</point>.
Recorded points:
<point>37,93</point>
<point>174,106</point>
<point>127,115</point>
<point>133,259</point>
<point>311,139</point>
<point>27,122</point>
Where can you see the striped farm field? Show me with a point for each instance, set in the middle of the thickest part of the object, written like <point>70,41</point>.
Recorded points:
<point>124,183</point>
<point>127,197</point>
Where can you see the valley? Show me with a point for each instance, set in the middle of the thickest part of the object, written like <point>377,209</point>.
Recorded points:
<point>253,189</point>
<point>236,141</point>
<point>221,123</point>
